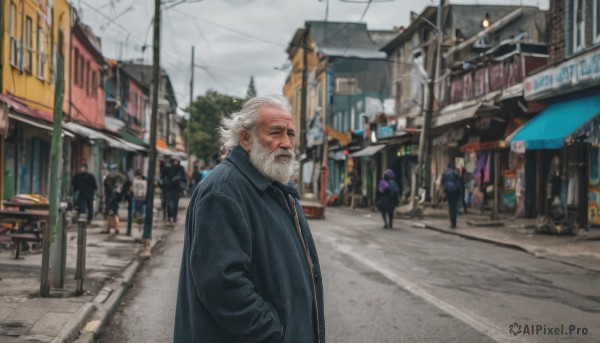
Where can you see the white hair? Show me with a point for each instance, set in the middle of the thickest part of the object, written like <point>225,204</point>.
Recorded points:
<point>246,119</point>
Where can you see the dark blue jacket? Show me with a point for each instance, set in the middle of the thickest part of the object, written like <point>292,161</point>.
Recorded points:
<point>245,276</point>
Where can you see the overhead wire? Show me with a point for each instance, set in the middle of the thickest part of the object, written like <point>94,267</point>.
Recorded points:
<point>232,29</point>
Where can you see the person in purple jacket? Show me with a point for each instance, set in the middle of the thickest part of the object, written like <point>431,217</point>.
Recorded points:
<point>250,270</point>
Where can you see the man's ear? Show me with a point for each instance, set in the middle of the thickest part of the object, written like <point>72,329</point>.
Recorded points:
<point>245,140</point>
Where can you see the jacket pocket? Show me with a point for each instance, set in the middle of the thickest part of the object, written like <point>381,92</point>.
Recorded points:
<point>284,330</point>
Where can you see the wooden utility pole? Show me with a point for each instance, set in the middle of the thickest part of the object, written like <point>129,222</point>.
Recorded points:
<point>54,232</point>
<point>424,158</point>
<point>188,128</point>
<point>303,92</point>
<point>147,235</point>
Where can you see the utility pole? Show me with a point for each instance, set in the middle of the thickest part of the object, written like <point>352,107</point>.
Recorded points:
<point>147,235</point>
<point>56,232</point>
<point>188,128</point>
<point>424,161</point>
<point>303,104</point>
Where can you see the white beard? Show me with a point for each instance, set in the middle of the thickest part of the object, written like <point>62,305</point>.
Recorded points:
<point>273,165</point>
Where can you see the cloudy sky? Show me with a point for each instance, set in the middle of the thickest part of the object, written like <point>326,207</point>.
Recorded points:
<point>234,39</point>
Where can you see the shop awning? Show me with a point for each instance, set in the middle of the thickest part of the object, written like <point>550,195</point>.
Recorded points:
<point>481,146</point>
<point>17,106</point>
<point>129,137</point>
<point>454,116</point>
<point>32,122</point>
<point>94,135</point>
<point>551,128</point>
<point>368,151</point>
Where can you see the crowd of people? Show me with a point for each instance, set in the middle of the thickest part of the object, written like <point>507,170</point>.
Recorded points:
<point>129,189</point>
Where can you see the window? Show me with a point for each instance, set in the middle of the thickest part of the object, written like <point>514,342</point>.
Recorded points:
<point>578,26</point>
<point>28,52</point>
<point>81,71</point>
<point>88,78</point>
<point>94,84</point>
<point>41,52</point>
<point>76,66</point>
<point>14,42</point>
<point>596,20</point>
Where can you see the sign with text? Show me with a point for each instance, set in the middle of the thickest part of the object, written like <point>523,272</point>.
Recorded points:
<point>568,76</point>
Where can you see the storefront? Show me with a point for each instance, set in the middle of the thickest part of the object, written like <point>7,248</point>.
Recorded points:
<point>368,161</point>
<point>564,155</point>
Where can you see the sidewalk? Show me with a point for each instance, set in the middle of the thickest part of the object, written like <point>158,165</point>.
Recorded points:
<point>111,263</point>
<point>582,251</point>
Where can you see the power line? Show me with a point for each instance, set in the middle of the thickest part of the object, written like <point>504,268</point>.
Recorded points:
<point>365,11</point>
<point>232,29</point>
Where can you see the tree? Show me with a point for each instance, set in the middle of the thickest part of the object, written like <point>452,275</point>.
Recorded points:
<point>207,112</point>
<point>251,92</point>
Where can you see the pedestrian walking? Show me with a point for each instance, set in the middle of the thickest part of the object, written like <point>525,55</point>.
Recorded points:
<point>196,178</point>
<point>174,182</point>
<point>388,198</point>
<point>140,188</point>
<point>451,184</point>
<point>85,187</point>
<point>250,271</point>
<point>113,189</point>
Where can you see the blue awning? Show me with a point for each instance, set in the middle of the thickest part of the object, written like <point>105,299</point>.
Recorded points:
<point>551,128</point>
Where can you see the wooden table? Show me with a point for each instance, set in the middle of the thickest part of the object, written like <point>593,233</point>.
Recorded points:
<point>26,206</point>
<point>38,217</point>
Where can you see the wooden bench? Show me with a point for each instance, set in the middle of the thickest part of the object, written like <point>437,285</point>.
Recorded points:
<point>28,232</point>
<point>20,238</point>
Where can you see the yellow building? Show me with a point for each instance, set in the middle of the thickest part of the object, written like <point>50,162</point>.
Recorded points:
<point>33,31</point>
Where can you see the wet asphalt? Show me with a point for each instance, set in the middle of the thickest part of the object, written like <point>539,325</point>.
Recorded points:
<point>401,285</point>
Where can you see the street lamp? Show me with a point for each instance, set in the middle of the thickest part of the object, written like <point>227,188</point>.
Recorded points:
<point>486,22</point>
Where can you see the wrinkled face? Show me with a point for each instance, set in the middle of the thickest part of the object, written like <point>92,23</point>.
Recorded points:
<point>270,145</point>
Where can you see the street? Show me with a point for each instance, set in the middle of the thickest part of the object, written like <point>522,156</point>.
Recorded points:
<point>401,285</point>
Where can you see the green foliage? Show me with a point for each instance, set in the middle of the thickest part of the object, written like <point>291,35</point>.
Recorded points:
<point>207,112</point>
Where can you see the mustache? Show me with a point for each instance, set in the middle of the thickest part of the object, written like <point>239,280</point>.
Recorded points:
<point>284,153</point>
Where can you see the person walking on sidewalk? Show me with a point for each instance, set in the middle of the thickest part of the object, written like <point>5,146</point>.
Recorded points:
<point>84,184</point>
<point>451,184</point>
<point>175,181</point>
<point>250,271</point>
<point>113,189</point>
<point>140,188</point>
<point>388,198</point>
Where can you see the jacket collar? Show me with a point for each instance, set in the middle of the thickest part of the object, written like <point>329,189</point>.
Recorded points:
<point>240,158</point>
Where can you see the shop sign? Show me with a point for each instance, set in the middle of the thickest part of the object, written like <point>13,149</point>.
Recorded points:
<point>385,132</point>
<point>575,72</point>
<point>518,147</point>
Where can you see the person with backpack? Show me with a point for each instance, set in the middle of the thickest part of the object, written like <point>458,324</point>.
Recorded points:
<point>388,197</point>
<point>451,184</point>
<point>113,189</point>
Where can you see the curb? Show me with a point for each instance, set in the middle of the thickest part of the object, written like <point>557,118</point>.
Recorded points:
<point>475,238</point>
<point>76,323</point>
<point>502,244</point>
<point>106,301</point>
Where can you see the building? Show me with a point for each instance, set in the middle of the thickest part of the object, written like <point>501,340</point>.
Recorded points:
<point>34,33</point>
<point>337,88</point>
<point>169,133</point>
<point>473,95</point>
<point>561,144</point>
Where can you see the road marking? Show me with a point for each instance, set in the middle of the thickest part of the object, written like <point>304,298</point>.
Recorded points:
<point>477,322</point>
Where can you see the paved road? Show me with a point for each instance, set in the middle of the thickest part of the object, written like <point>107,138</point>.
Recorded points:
<point>147,312</point>
<point>401,285</point>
